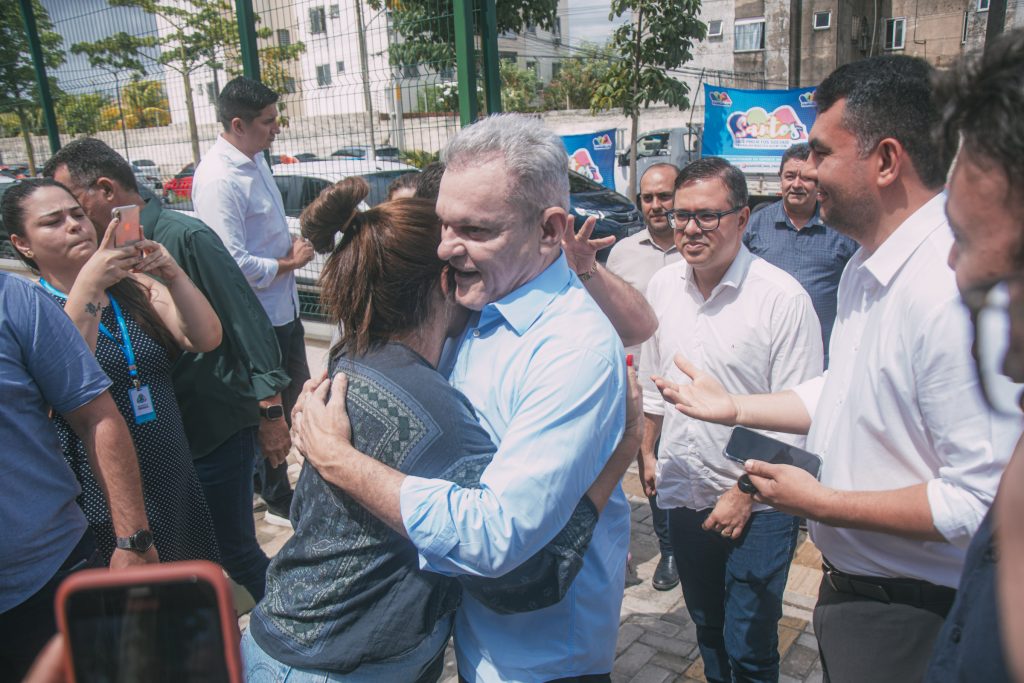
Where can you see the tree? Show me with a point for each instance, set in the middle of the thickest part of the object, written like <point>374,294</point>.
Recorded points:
<point>660,38</point>
<point>427,27</point>
<point>81,114</point>
<point>198,31</point>
<point>579,78</point>
<point>18,93</point>
<point>518,87</point>
<point>144,106</point>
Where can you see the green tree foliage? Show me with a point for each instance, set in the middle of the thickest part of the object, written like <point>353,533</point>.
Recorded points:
<point>518,87</point>
<point>82,113</point>
<point>199,32</point>
<point>658,39</point>
<point>143,105</point>
<point>579,78</point>
<point>18,93</point>
<point>427,27</point>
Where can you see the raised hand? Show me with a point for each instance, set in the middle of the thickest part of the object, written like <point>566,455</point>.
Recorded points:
<point>580,250</point>
<point>703,399</point>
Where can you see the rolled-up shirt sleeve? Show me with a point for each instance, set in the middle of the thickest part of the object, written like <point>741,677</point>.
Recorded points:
<point>972,444</point>
<point>219,204</point>
<point>809,392</point>
<point>566,420</point>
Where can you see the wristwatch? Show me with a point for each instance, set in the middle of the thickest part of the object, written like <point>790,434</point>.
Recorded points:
<point>588,274</point>
<point>272,412</point>
<point>140,541</point>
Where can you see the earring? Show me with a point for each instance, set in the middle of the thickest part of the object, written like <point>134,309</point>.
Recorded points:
<point>28,254</point>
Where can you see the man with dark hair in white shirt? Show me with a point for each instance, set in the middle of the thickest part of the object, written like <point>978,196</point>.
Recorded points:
<point>753,325</point>
<point>235,194</point>
<point>912,456</point>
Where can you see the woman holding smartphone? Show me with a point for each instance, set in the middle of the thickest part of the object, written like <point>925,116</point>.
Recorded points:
<point>137,326</point>
<point>346,599</point>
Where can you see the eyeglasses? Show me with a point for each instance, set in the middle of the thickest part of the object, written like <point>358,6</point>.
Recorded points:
<point>707,221</point>
<point>989,306</point>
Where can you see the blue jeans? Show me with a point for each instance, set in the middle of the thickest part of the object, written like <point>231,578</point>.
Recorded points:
<point>226,476</point>
<point>423,664</point>
<point>273,481</point>
<point>733,590</point>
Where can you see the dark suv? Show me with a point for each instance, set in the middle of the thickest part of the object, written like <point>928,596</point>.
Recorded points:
<point>616,215</point>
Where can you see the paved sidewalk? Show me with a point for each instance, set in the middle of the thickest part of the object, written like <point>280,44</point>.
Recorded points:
<point>657,639</point>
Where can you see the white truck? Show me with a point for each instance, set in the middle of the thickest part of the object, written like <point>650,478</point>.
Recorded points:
<point>680,146</point>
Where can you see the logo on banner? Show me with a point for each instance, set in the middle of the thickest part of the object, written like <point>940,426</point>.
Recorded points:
<point>581,162</point>
<point>720,98</point>
<point>757,129</point>
<point>603,142</point>
<point>807,99</point>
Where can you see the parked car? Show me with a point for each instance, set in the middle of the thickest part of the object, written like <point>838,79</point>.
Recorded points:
<point>150,182</point>
<point>180,186</point>
<point>382,153</point>
<point>615,214</point>
<point>299,158</point>
<point>300,184</point>
<point>146,167</point>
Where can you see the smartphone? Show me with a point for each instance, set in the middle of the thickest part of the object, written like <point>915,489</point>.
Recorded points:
<point>162,623</point>
<point>746,444</point>
<point>129,228</point>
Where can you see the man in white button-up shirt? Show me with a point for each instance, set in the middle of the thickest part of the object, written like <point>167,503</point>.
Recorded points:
<point>235,194</point>
<point>751,324</point>
<point>912,455</point>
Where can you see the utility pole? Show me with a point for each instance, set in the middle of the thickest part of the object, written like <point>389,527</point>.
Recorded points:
<point>364,66</point>
<point>28,16</point>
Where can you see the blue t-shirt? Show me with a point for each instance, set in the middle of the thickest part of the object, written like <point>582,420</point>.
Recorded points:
<point>44,363</point>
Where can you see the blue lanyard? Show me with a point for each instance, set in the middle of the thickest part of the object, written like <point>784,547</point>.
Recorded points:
<point>125,342</point>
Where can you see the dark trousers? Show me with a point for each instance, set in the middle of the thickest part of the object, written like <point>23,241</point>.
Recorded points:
<point>26,628</point>
<point>733,590</point>
<point>589,678</point>
<point>226,476</point>
<point>272,482</point>
<point>659,519</point>
<point>861,639</point>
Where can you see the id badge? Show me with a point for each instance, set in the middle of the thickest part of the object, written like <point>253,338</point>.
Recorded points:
<point>142,405</point>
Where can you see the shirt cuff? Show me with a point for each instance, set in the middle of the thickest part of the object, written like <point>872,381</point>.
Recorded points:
<point>270,268</point>
<point>430,531</point>
<point>956,514</point>
<point>809,393</point>
<point>267,384</point>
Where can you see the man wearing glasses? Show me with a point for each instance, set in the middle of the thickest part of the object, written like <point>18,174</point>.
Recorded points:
<point>751,324</point>
<point>911,454</point>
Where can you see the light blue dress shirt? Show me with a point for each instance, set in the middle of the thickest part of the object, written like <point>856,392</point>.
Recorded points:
<point>546,372</point>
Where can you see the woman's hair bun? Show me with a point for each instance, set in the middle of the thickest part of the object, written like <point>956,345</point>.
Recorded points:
<point>335,211</point>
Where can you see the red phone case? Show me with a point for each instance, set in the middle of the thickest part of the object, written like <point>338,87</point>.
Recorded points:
<point>171,572</point>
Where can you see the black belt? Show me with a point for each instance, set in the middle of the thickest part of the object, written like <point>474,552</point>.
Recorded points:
<point>914,592</point>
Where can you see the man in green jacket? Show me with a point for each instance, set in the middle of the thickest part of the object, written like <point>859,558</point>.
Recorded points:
<point>222,393</point>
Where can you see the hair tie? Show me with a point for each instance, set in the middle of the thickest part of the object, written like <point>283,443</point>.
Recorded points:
<point>344,231</point>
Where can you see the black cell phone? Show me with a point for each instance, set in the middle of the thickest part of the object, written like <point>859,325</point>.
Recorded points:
<point>746,444</point>
<point>161,623</point>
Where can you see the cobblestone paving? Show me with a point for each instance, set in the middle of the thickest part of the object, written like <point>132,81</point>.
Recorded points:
<point>657,640</point>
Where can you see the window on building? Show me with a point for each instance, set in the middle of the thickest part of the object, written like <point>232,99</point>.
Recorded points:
<point>335,11</point>
<point>715,28</point>
<point>749,35</point>
<point>532,66</point>
<point>317,20</point>
<point>556,69</point>
<point>963,31</point>
<point>508,56</point>
<point>340,67</point>
<point>823,20</point>
<point>895,30</point>
<point>211,92</point>
<point>323,74</point>
<point>289,85</point>
<point>983,5</point>
<point>284,37</point>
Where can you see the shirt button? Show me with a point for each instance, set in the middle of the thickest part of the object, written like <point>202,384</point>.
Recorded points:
<point>476,333</point>
<point>954,635</point>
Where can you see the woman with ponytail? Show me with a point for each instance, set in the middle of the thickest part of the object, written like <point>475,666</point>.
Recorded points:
<point>136,326</point>
<point>346,599</point>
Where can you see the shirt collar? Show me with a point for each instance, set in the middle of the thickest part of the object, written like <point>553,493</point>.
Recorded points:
<point>232,154</point>
<point>783,219</point>
<point>904,241</point>
<point>149,216</point>
<point>733,277</point>
<point>646,238</point>
<point>521,307</point>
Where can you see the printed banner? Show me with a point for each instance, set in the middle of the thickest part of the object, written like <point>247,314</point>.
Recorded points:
<point>593,155</point>
<point>752,128</point>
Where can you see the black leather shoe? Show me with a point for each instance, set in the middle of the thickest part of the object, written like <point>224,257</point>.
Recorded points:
<point>665,575</point>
